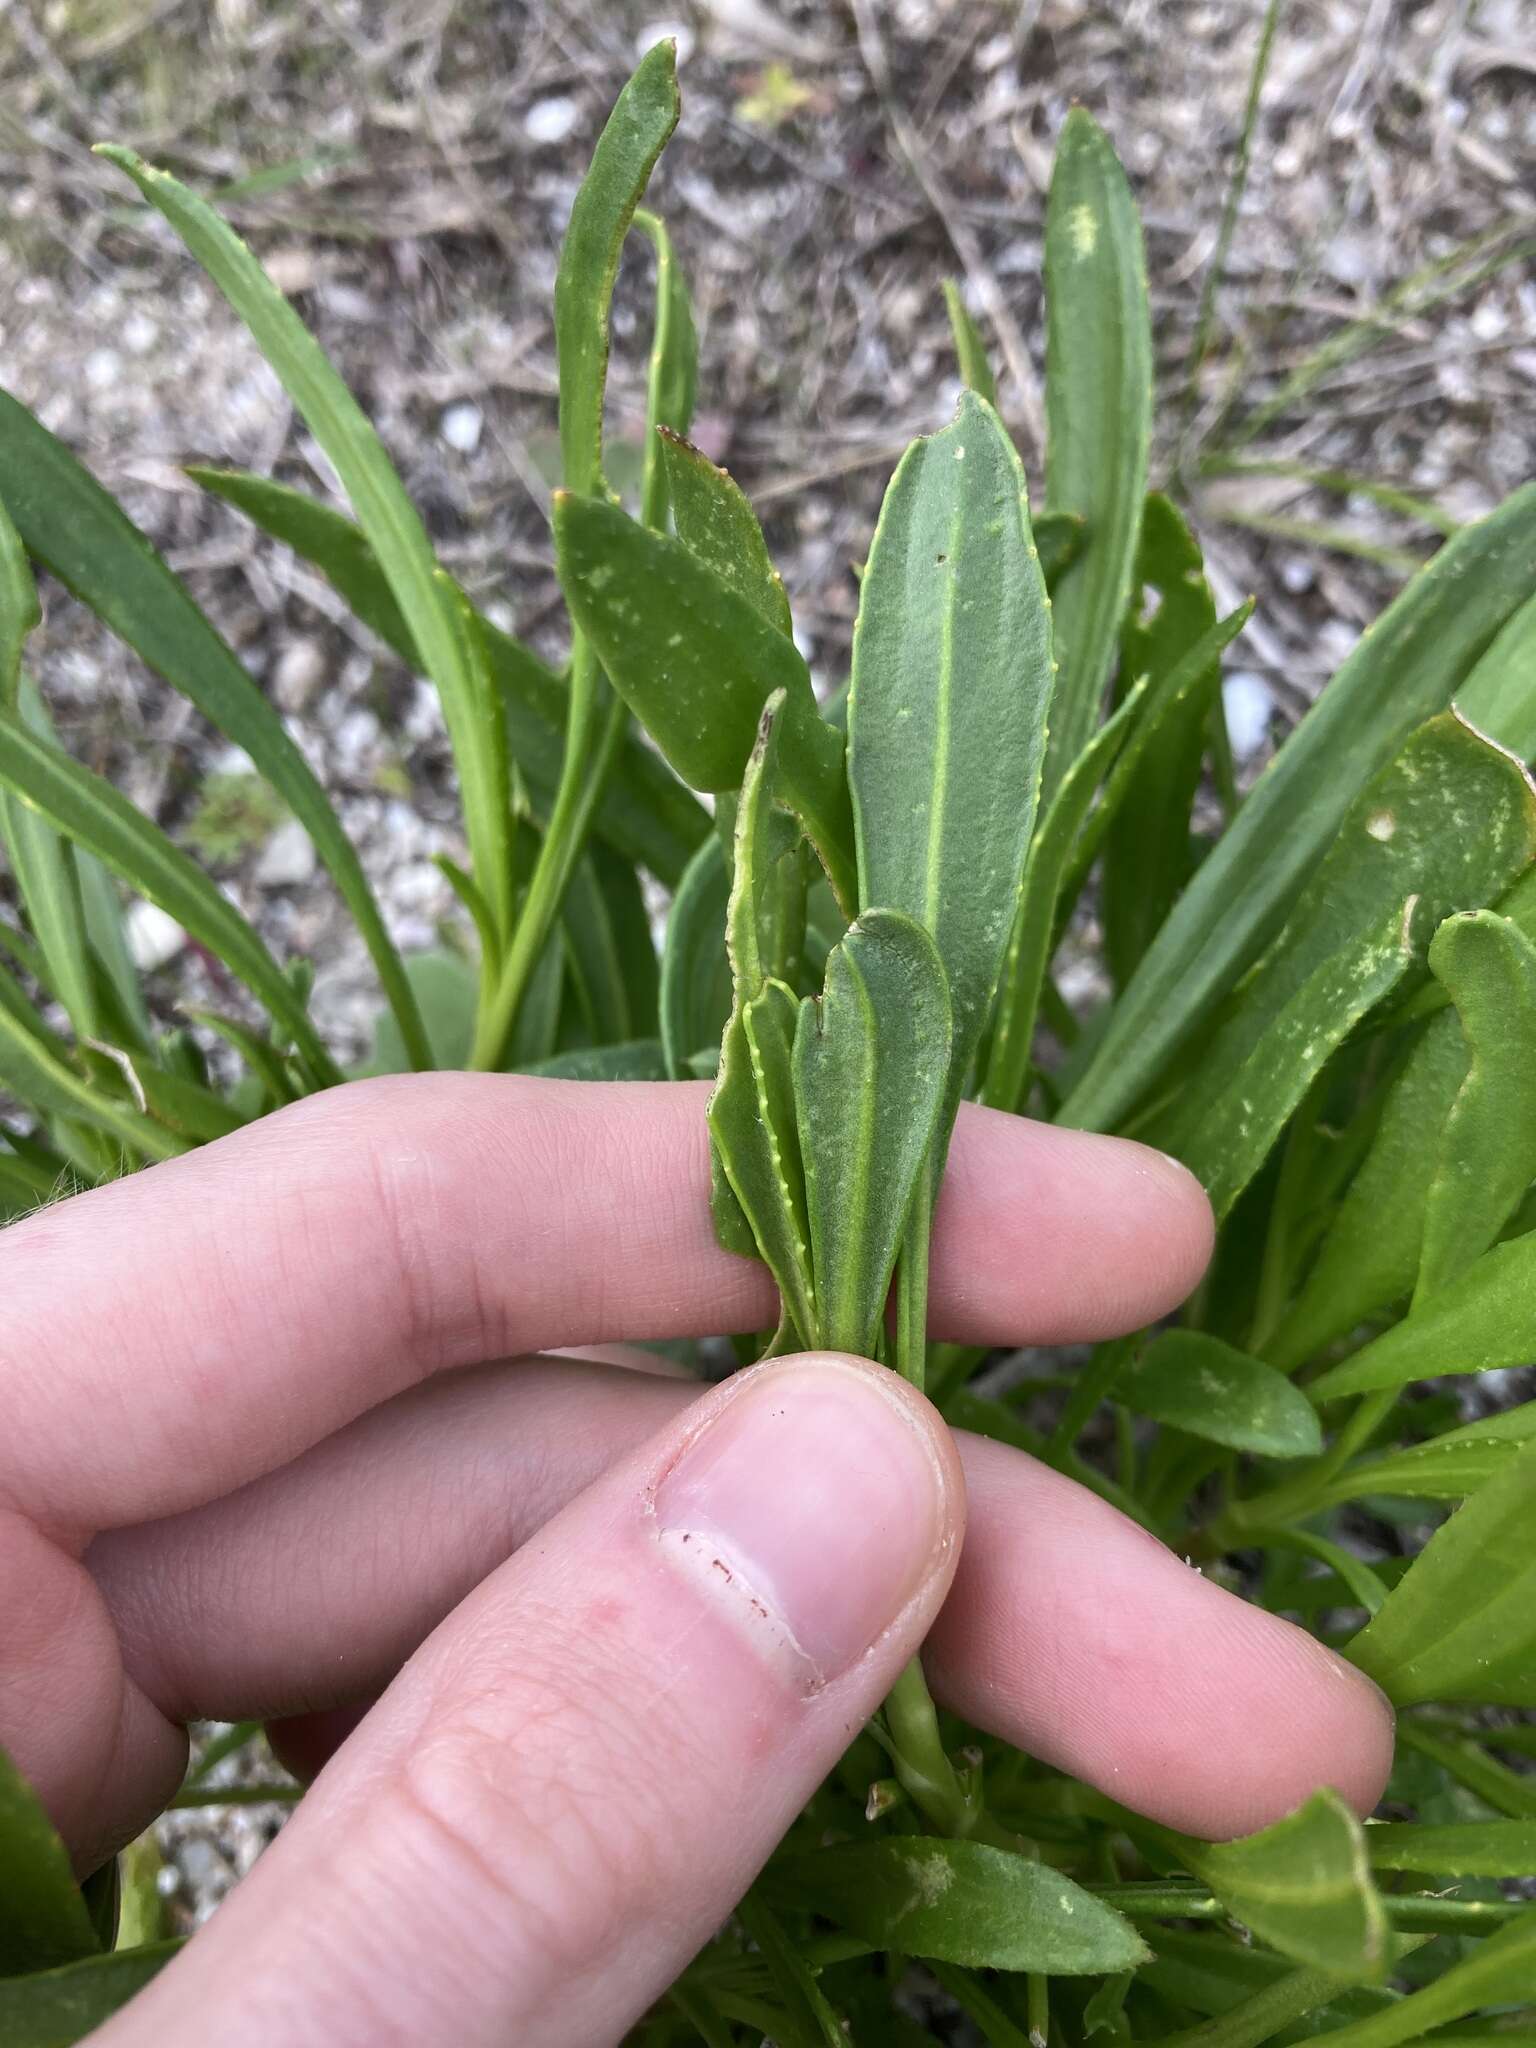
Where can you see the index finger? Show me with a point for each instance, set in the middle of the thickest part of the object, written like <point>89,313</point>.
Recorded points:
<point>171,1336</point>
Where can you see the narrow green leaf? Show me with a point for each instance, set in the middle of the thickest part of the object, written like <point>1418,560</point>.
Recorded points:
<point>1410,665</point>
<point>1483,1320</point>
<point>970,349</point>
<point>43,1919</point>
<point>871,1063</point>
<point>674,369</point>
<point>265,1062</point>
<point>385,513</point>
<point>716,523</point>
<point>1496,1973</point>
<point>1447,1467</point>
<point>35,1067</point>
<point>595,962</point>
<point>20,612</point>
<point>1461,1622</point>
<point>1304,1886</point>
<point>962,1902</point>
<point>1098,390</point>
<point>87,809</point>
<point>952,678</point>
<point>44,869</point>
<point>1499,696</point>
<point>70,523</point>
<point>1198,1384</point>
<point>638,1059</point>
<point>1370,1254</point>
<point>634,136</point>
<point>1487,1151</point>
<point>1148,857</point>
<point>696,664</point>
<point>753,1126</point>
<point>695,971</point>
<point>644,812</point>
<point>1401,861</point>
<point>56,2008</point>
<point>1478,1848</point>
<point>630,923</point>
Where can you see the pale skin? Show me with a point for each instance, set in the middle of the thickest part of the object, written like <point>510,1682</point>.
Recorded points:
<point>283,1437</point>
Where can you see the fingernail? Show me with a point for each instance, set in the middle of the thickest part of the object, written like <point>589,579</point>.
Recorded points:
<point>813,1505</point>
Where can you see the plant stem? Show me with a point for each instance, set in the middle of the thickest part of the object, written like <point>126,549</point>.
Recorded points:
<point>1095,1383</point>
<point>582,775</point>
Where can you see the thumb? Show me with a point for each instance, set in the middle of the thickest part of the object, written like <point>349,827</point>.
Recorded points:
<point>581,1771</point>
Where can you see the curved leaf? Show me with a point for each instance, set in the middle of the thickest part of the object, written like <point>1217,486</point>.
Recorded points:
<point>1198,1384</point>
<point>43,1918</point>
<point>716,523</point>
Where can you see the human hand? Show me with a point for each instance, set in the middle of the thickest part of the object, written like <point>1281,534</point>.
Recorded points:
<point>255,1465</point>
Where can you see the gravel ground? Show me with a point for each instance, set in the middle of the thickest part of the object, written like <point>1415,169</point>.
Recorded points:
<point>834,163</point>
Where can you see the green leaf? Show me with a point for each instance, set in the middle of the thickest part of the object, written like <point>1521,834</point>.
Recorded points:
<point>695,971</point>
<point>1098,390</point>
<point>1147,856</point>
<point>56,2008</point>
<point>1304,1886</point>
<point>970,349</point>
<point>43,1918</point>
<point>1198,1384</point>
<point>871,1061</point>
<point>696,663</point>
<point>1487,1151</point>
<point>444,985</point>
<point>20,612</point>
<point>44,869</point>
<point>1447,1467</point>
<point>88,810</point>
<point>644,812</point>
<point>634,136</point>
<point>1370,1255</point>
<point>596,964</point>
<point>1499,697</point>
<point>716,523</point>
<point>638,1059</point>
<point>427,602</point>
<point>1499,1971</point>
<point>35,1067</point>
<point>629,921</point>
<point>1401,861</point>
<point>1478,1848</point>
<point>947,707</point>
<point>70,523</point>
<point>1410,665</point>
<point>1461,1622</point>
<point>962,1902</point>
<point>674,369</point>
<point>1483,1320</point>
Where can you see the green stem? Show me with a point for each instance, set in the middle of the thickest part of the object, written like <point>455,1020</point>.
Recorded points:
<point>1307,1493</point>
<point>582,776</point>
<point>1094,1384</point>
<point>911,1356</point>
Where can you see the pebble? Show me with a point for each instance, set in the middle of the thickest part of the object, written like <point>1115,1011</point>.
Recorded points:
<point>461,427</point>
<point>1249,704</point>
<point>551,121</point>
<point>287,859</point>
<point>154,937</point>
<point>103,366</point>
<point>299,669</point>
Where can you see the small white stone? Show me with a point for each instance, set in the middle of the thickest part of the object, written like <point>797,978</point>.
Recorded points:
<point>140,333</point>
<point>551,121</point>
<point>1249,704</point>
<point>102,368</point>
<point>461,426</point>
<point>287,859</point>
<point>297,676</point>
<point>154,937</point>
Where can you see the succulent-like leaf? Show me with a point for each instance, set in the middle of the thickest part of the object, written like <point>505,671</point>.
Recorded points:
<point>752,1122</point>
<point>644,812</point>
<point>43,1919</point>
<point>1486,1157</point>
<point>55,2008</point>
<point>1196,1383</point>
<point>695,972</point>
<point>1304,1886</point>
<point>871,1064</point>
<point>962,1902</point>
<point>1410,665</point>
<point>1477,1848</point>
<point>1461,1622</point>
<point>1408,842</point>
<point>947,709</point>
<point>1098,392</point>
<point>1447,1467</point>
<point>1496,1973</point>
<point>636,132</point>
<point>471,710</point>
<point>696,663</point>
<point>716,523</point>
<point>1147,856</point>
<point>1499,696</point>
